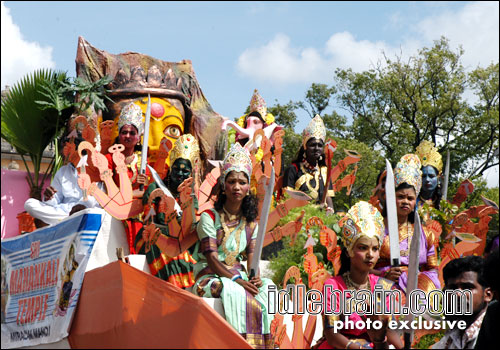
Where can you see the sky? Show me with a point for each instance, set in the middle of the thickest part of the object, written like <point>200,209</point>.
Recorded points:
<point>279,48</point>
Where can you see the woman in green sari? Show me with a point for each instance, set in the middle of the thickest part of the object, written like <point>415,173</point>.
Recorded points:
<point>227,233</point>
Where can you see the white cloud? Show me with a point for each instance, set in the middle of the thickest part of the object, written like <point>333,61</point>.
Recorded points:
<point>475,26</point>
<point>279,62</point>
<point>19,56</point>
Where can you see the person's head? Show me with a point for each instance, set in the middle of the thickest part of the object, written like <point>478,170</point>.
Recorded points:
<point>314,150</point>
<point>407,183</point>
<point>128,136</point>
<point>490,273</point>
<point>467,273</point>
<point>406,199</point>
<point>255,121</point>
<point>314,130</point>
<point>362,234</point>
<point>380,188</point>
<point>184,159</point>
<point>130,126</point>
<point>429,179</point>
<point>235,182</point>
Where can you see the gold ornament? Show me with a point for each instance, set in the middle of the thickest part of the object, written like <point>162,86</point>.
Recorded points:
<point>316,129</point>
<point>230,259</point>
<point>186,147</point>
<point>363,219</point>
<point>429,155</point>
<point>257,104</point>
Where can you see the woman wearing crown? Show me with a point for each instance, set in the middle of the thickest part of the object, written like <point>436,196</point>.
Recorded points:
<point>227,233</point>
<point>130,129</point>
<point>308,172</point>
<point>362,233</point>
<point>408,182</point>
<point>178,270</point>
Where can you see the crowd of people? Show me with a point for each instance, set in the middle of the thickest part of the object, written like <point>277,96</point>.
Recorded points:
<point>204,252</point>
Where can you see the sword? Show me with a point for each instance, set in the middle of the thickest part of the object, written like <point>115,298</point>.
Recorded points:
<point>412,275</point>
<point>264,215</point>
<point>446,175</point>
<point>164,188</point>
<point>81,164</point>
<point>392,215</point>
<point>144,153</point>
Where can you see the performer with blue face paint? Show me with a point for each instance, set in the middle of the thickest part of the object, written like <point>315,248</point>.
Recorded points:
<point>432,165</point>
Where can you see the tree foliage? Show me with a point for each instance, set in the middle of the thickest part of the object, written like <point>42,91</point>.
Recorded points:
<point>30,122</point>
<point>397,105</point>
<point>393,108</point>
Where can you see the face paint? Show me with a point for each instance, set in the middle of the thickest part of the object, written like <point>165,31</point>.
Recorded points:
<point>180,171</point>
<point>429,181</point>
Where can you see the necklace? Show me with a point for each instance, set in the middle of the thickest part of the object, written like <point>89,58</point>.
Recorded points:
<point>310,168</point>
<point>405,232</point>
<point>231,256</point>
<point>351,285</point>
<point>313,191</point>
<point>231,217</point>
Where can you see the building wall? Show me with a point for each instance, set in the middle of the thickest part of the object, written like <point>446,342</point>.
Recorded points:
<point>15,191</point>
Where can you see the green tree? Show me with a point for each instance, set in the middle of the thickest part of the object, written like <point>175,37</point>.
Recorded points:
<point>29,125</point>
<point>397,105</point>
<point>285,116</point>
<point>368,167</point>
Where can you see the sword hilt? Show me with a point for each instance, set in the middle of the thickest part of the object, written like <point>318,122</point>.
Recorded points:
<point>407,340</point>
<point>141,186</point>
<point>395,263</point>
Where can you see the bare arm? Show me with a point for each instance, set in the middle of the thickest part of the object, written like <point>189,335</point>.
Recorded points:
<point>222,271</point>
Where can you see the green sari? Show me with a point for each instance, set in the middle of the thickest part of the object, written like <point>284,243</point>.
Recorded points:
<point>247,314</point>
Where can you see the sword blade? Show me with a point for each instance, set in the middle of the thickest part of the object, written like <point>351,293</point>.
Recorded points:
<point>164,188</point>
<point>264,216</point>
<point>446,175</point>
<point>392,215</point>
<point>413,269</point>
<point>144,152</point>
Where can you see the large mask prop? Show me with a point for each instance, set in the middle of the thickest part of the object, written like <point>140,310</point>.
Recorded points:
<point>178,105</point>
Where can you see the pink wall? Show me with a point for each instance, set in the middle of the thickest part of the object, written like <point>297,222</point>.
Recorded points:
<point>15,191</point>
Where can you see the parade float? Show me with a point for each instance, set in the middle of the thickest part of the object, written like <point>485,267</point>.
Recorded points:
<point>88,282</point>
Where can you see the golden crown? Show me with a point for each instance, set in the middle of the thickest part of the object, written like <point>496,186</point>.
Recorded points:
<point>131,114</point>
<point>257,104</point>
<point>186,147</point>
<point>363,219</point>
<point>408,170</point>
<point>316,129</point>
<point>237,159</point>
<point>429,155</point>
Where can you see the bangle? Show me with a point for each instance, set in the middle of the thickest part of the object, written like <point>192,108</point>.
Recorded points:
<point>235,277</point>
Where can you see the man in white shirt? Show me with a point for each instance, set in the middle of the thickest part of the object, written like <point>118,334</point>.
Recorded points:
<point>62,198</point>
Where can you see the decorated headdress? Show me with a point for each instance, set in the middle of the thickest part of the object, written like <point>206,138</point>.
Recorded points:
<point>186,147</point>
<point>257,104</point>
<point>429,155</point>
<point>363,219</point>
<point>237,159</point>
<point>408,170</point>
<point>316,129</point>
<point>131,114</point>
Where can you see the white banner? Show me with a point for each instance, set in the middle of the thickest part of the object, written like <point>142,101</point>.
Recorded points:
<point>42,273</point>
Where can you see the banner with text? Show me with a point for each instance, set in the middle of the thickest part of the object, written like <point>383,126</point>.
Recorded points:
<point>42,273</point>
